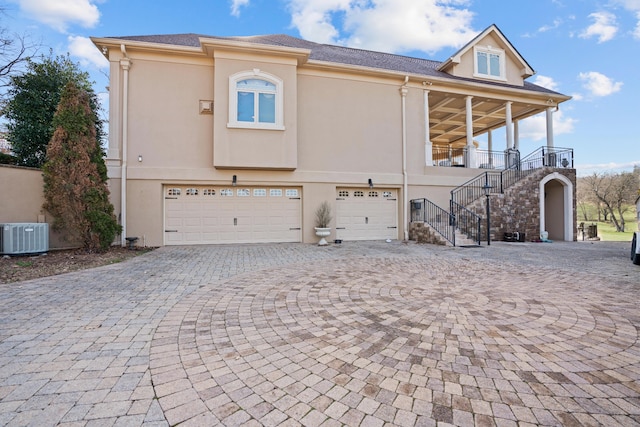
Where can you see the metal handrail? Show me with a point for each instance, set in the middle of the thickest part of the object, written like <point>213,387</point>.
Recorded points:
<point>499,181</point>
<point>439,219</point>
<point>467,222</point>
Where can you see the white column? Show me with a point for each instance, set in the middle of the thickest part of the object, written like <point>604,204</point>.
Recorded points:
<point>509,125</point>
<point>516,135</point>
<point>490,148</point>
<point>428,145</point>
<point>490,141</point>
<point>472,158</point>
<point>125,63</point>
<point>550,127</point>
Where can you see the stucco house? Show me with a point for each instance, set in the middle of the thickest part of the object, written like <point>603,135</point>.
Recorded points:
<point>240,139</point>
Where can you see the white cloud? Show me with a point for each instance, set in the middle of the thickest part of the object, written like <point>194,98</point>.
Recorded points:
<point>535,128</point>
<point>577,96</point>
<point>545,28</point>
<point>59,14</point>
<point>588,169</point>
<point>598,84</point>
<point>604,27</point>
<point>84,49</point>
<point>236,5</point>
<point>546,82</point>
<point>634,7</point>
<point>385,25</point>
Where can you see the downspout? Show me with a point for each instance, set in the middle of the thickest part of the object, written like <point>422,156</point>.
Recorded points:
<point>125,63</point>
<point>405,182</point>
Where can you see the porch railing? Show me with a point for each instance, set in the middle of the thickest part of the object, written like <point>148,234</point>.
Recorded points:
<point>439,219</point>
<point>554,157</point>
<point>498,181</point>
<point>456,157</point>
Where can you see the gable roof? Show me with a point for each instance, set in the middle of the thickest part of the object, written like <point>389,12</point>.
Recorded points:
<point>492,29</point>
<point>344,55</point>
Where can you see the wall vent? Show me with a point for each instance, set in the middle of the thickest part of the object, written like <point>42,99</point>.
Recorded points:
<point>24,238</point>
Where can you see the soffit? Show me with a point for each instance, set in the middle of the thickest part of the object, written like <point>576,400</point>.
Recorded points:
<point>447,115</point>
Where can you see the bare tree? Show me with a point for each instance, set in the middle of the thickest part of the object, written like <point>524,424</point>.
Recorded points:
<point>15,51</point>
<point>616,193</point>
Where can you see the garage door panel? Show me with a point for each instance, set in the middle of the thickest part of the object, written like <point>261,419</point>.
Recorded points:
<point>365,214</point>
<point>205,215</point>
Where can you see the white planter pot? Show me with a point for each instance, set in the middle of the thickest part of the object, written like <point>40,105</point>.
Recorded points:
<point>322,233</point>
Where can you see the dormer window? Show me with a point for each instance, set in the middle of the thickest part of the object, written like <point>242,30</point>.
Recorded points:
<point>255,101</point>
<point>489,63</point>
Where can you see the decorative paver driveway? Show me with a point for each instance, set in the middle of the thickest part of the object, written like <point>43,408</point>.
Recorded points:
<point>354,334</point>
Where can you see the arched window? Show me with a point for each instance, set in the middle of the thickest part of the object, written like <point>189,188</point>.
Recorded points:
<point>255,101</point>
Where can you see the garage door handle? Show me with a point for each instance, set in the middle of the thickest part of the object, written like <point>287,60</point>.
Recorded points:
<point>171,198</point>
<point>170,231</point>
<point>295,228</point>
<point>341,228</point>
<point>392,227</point>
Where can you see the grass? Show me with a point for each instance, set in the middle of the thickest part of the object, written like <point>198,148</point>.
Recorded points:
<point>607,231</point>
<point>24,263</point>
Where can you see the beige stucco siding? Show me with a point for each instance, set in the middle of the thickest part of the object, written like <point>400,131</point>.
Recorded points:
<point>22,197</point>
<point>349,126</point>
<point>513,71</point>
<point>165,125</point>
<point>255,148</point>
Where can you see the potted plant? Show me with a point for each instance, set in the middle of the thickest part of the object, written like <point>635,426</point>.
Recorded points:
<point>323,218</point>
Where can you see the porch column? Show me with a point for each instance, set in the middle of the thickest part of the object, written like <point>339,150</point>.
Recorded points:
<point>428,145</point>
<point>472,158</point>
<point>490,140</point>
<point>490,147</point>
<point>550,127</point>
<point>516,135</point>
<point>509,125</point>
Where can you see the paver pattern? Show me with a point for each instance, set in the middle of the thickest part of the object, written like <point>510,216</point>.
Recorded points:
<point>364,333</point>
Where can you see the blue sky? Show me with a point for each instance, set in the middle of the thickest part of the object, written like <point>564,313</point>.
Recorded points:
<point>584,48</point>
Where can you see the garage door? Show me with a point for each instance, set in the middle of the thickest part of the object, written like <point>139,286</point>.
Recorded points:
<point>366,214</point>
<point>206,215</point>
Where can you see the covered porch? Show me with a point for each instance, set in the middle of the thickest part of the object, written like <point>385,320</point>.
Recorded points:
<point>456,119</point>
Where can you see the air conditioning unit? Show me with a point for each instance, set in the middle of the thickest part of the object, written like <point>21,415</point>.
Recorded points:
<point>24,238</point>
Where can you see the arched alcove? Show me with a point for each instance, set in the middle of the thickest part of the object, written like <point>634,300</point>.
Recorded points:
<point>556,206</point>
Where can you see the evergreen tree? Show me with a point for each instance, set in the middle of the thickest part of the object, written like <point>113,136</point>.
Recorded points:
<point>75,174</point>
<point>32,101</point>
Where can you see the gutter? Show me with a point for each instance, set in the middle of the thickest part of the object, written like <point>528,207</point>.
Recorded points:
<point>405,181</point>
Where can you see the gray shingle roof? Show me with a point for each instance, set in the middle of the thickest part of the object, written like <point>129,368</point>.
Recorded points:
<point>332,53</point>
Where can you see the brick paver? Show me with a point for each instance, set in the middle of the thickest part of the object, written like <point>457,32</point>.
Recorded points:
<point>364,333</point>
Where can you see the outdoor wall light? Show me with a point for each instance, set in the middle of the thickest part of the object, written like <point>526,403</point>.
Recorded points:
<point>370,183</point>
<point>234,180</point>
<point>140,157</point>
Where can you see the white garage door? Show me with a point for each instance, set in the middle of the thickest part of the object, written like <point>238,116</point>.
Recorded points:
<point>366,214</point>
<point>209,214</point>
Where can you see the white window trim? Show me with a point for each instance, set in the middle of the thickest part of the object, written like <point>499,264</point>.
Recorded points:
<point>233,101</point>
<point>490,50</point>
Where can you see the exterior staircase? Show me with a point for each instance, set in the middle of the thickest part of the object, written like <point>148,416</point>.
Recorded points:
<point>462,224</point>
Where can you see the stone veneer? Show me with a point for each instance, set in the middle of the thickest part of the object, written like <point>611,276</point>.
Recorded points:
<point>518,209</point>
<point>422,233</point>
